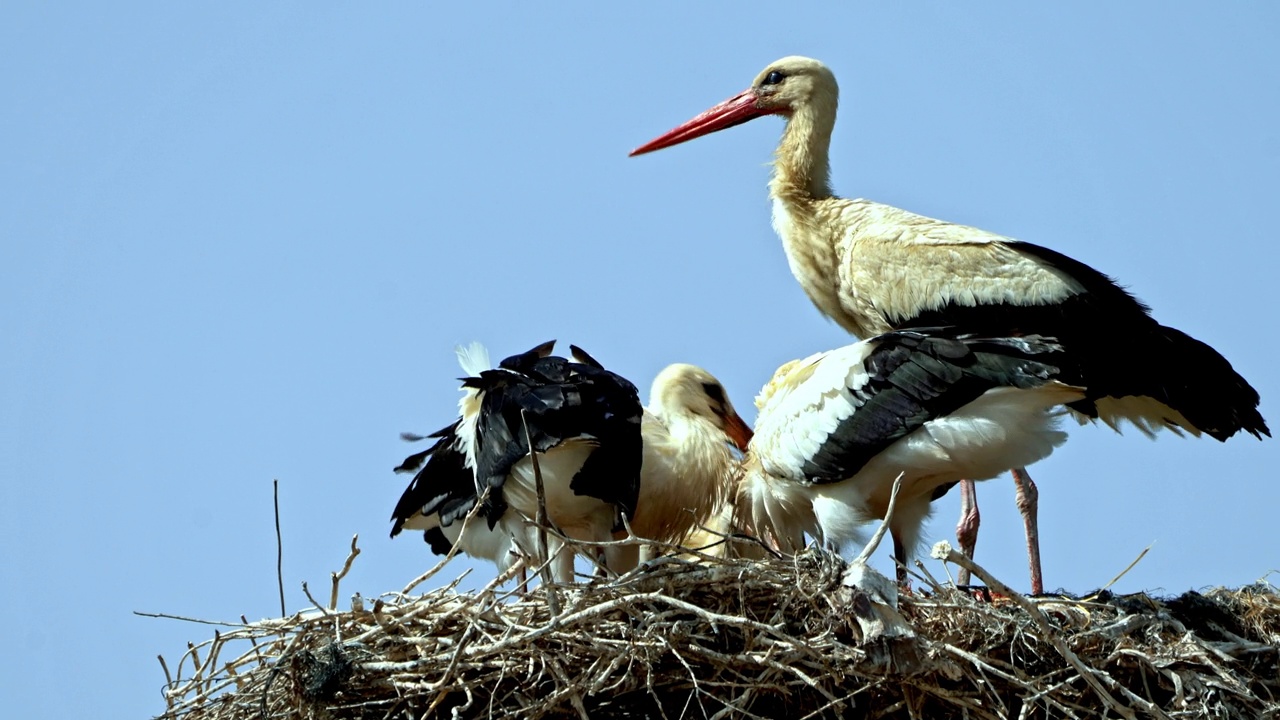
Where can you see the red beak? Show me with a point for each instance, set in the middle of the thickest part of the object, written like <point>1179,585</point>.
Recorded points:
<point>734,111</point>
<point>738,431</point>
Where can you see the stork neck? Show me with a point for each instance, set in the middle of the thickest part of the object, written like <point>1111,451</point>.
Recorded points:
<point>699,467</point>
<point>689,429</point>
<point>801,169</point>
<point>800,189</point>
<point>701,446</point>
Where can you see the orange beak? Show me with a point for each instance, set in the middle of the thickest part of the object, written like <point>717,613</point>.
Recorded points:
<point>738,431</point>
<point>736,110</point>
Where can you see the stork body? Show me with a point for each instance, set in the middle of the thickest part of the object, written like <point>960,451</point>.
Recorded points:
<point>584,422</point>
<point>439,502</point>
<point>689,469</point>
<point>836,429</point>
<point>873,268</point>
<point>686,473</point>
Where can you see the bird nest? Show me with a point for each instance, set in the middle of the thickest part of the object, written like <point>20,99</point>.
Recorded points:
<point>721,638</point>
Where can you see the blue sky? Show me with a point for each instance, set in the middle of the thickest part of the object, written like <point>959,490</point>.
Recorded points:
<point>239,243</point>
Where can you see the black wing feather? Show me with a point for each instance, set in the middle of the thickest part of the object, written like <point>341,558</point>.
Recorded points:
<point>436,538</point>
<point>562,400</point>
<point>1116,349</point>
<point>915,377</point>
<point>443,484</point>
<point>612,411</point>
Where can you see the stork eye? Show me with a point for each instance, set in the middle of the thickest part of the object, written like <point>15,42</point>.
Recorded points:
<point>773,78</point>
<point>714,391</point>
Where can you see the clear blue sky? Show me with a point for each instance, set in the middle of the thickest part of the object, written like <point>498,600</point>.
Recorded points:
<point>239,243</point>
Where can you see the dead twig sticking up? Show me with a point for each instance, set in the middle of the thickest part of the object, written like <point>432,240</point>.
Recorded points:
<point>275,497</point>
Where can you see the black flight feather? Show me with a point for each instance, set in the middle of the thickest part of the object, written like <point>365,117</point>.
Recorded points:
<point>914,377</point>
<point>443,484</point>
<point>562,400</point>
<point>1114,348</point>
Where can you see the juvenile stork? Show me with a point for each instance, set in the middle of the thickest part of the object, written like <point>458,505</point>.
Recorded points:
<point>687,472</point>
<point>439,502</point>
<point>584,422</point>
<point>689,469</point>
<point>835,429</point>
<point>873,268</point>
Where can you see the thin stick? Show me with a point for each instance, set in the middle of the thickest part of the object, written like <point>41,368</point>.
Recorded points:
<point>1125,571</point>
<point>193,651</point>
<point>306,591</point>
<point>928,576</point>
<point>275,496</point>
<point>183,618</point>
<point>553,600</point>
<point>874,543</point>
<point>168,682</point>
<point>346,567</point>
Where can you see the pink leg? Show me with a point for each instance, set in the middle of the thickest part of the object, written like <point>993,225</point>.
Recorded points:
<point>967,528</point>
<point>1028,498</point>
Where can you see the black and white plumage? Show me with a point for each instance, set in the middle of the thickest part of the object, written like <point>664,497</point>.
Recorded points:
<point>874,268</point>
<point>440,498</point>
<point>1135,369</point>
<point>837,428</point>
<point>585,426</point>
<point>687,475</point>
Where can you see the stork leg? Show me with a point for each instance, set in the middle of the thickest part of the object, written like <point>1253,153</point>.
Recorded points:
<point>900,560</point>
<point>562,565</point>
<point>967,528</point>
<point>602,564</point>
<point>647,553</point>
<point>1028,498</point>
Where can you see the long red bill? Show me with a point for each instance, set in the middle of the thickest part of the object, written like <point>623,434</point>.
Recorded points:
<point>734,111</point>
<point>738,431</point>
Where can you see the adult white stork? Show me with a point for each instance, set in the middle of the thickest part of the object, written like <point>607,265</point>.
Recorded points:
<point>835,429</point>
<point>873,268</point>
<point>584,422</point>
<point>687,472</point>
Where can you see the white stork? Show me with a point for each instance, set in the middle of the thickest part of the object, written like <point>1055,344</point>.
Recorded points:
<point>687,471</point>
<point>584,422</point>
<point>439,502</point>
<point>873,268</point>
<point>835,429</point>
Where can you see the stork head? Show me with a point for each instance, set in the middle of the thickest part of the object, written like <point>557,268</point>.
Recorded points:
<point>785,87</point>
<point>690,391</point>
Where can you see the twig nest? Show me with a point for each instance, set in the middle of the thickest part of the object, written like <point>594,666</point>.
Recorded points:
<point>808,636</point>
